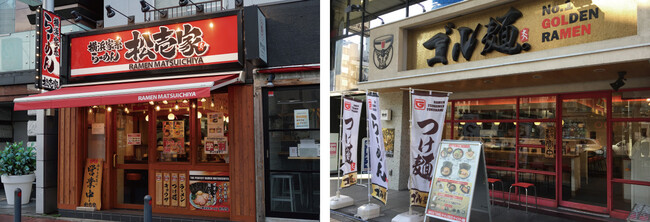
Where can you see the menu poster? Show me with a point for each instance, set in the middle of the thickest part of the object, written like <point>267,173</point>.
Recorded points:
<point>301,119</point>
<point>174,137</point>
<point>133,139</point>
<point>181,189</point>
<point>210,191</point>
<point>218,145</point>
<point>92,184</point>
<point>215,125</point>
<point>173,145</point>
<point>159,186</point>
<point>452,189</point>
<point>166,193</point>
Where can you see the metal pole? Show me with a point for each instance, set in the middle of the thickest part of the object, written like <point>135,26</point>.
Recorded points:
<point>338,151</point>
<point>17,204</point>
<point>410,133</point>
<point>363,30</point>
<point>368,150</point>
<point>408,2</point>
<point>147,208</point>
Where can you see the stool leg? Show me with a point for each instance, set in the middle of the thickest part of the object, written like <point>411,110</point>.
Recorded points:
<point>293,205</point>
<point>509,190</point>
<point>492,195</point>
<point>536,205</point>
<point>526,200</point>
<point>502,190</point>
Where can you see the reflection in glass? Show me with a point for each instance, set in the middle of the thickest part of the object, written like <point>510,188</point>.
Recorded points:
<point>213,118</point>
<point>132,134</point>
<point>498,140</point>
<point>631,104</point>
<point>173,131</point>
<point>542,107</point>
<point>625,196</point>
<point>545,185</point>
<point>631,151</point>
<point>485,109</point>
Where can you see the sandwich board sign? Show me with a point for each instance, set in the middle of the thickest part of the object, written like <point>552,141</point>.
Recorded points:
<point>459,185</point>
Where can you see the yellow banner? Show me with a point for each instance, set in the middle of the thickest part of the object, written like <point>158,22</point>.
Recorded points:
<point>92,184</point>
<point>349,180</point>
<point>419,198</point>
<point>379,193</point>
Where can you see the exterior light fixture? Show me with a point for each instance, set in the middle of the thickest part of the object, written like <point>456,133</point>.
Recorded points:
<point>620,82</point>
<point>359,8</point>
<point>145,7</point>
<point>77,17</point>
<point>199,8</point>
<point>110,12</point>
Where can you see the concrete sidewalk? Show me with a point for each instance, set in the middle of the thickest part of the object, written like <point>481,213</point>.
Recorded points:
<point>29,211</point>
<point>398,203</point>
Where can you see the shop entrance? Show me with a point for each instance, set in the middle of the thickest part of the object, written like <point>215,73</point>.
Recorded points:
<point>130,156</point>
<point>583,142</point>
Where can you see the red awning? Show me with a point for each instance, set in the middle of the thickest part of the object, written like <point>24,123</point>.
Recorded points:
<point>122,93</point>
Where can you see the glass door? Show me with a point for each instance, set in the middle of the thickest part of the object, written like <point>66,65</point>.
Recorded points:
<point>292,138</point>
<point>130,158</point>
<point>583,156</point>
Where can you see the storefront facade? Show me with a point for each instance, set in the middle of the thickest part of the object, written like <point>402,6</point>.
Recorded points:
<point>164,109</point>
<point>538,83</point>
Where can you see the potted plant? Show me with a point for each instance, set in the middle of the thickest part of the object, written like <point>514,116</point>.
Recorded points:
<point>17,165</point>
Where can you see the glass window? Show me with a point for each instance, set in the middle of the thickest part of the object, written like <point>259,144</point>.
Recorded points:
<point>544,184</point>
<point>536,133</point>
<point>485,109</point>
<point>631,104</point>
<point>292,117</point>
<point>542,107</point>
<point>625,196</point>
<point>507,177</point>
<point>97,132</point>
<point>132,133</point>
<point>213,117</point>
<point>173,131</point>
<point>631,150</point>
<point>498,140</point>
<point>534,158</point>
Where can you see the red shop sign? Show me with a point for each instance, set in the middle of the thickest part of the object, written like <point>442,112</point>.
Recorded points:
<point>185,44</point>
<point>50,50</point>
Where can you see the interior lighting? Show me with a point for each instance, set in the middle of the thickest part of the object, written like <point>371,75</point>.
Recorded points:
<point>537,123</point>
<point>165,102</point>
<point>90,110</point>
<point>199,115</point>
<point>479,123</point>
<point>157,108</point>
<point>171,116</point>
<point>497,123</point>
<point>151,103</point>
<point>185,101</point>
<point>109,109</point>
<point>146,118</point>
<point>203,100</point>
<point>176,107</point>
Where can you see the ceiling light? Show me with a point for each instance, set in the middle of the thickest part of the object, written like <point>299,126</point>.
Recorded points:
<point>157,108</point>
<point>151,102</point>
<point>199,115</point>
<point>171,116</point>
<point>165,102</point>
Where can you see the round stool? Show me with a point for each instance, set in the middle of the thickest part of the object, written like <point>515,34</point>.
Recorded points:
<point>525,186</point>
<point>492,181</point>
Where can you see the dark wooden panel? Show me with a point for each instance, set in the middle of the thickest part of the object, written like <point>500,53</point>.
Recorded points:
<point>242,158</point>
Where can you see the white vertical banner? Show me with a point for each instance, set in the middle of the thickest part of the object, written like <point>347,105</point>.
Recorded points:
<point>349,140</point>
<point>377,152</point>
<point>427,122</point>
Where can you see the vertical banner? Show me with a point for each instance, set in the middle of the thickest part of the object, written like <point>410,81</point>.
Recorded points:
<point>181,189</point>
<point>49,52</point>
<point>159,187</point>
<point>174,189</point>
<point>350,131</point>
<point>166,194</point>
<point>91,195</point>
<point>427,121</point>
<point>377,151</point>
